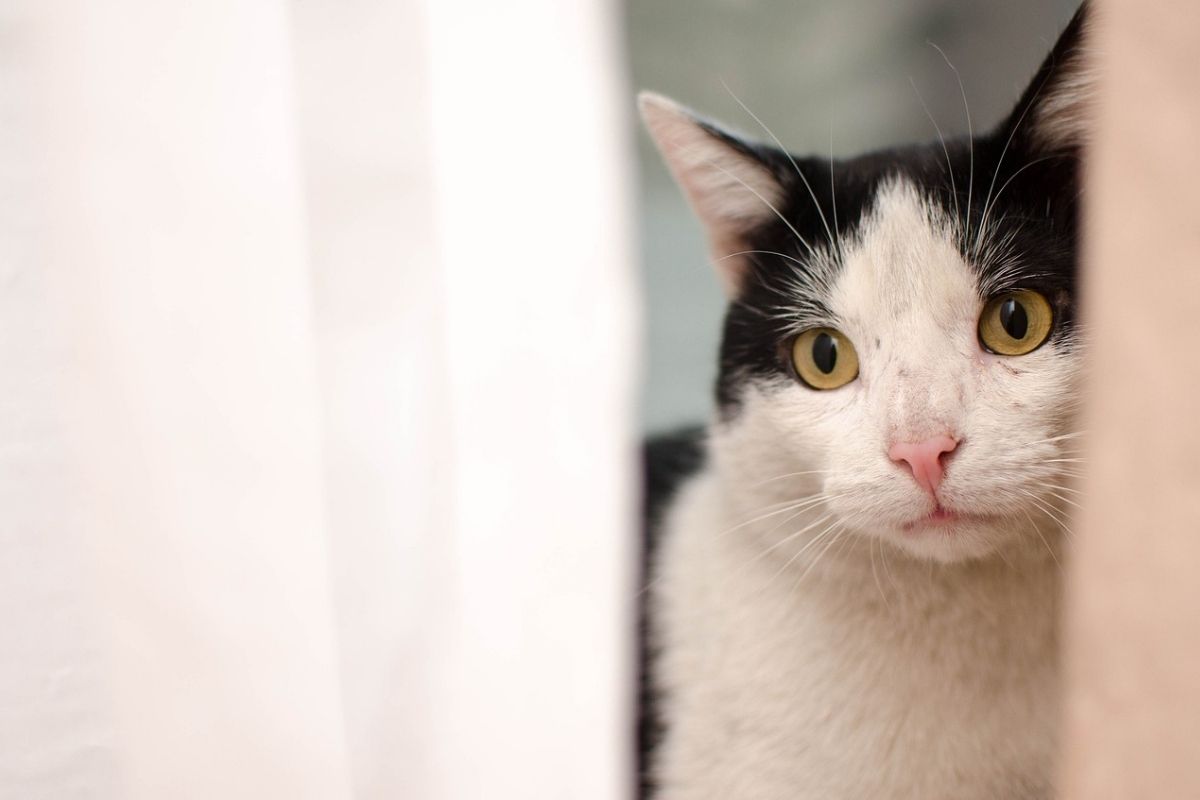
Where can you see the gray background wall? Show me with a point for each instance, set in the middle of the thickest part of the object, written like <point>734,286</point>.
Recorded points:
<point>813,72</point>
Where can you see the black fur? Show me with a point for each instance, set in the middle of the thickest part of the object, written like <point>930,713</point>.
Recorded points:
<point>667,461</point>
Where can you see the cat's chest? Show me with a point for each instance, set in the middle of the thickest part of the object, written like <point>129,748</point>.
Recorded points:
<point>847,684</point>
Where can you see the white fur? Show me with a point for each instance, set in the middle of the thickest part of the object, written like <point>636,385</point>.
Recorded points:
<point>856,659</point>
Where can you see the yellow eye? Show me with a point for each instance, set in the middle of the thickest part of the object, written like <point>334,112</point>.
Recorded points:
<point>1015,323</point>
<point>824,358</point>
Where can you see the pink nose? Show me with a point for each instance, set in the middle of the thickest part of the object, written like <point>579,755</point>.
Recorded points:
<point>924,459</point>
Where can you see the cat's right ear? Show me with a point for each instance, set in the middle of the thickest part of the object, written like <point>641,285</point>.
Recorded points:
<point>731,189</point>
<point>1055,115</point>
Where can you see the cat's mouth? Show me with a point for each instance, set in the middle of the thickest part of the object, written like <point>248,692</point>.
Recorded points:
<point>940,517</point>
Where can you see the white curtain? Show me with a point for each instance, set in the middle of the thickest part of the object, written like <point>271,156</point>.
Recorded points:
<point>316,333</point>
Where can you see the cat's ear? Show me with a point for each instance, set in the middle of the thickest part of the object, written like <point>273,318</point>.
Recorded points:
<point>728,184</point>
<point>1055,114</point>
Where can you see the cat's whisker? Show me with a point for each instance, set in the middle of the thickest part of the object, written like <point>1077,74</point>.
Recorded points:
<point>793,505</point>
<point>1060,516</point>
<point>1000,554</point>
<point>812,252</point>
<point>780,504</point>
<point>763,252</point>
<point>833,190</point>
<point>807,507</point>
<point>790,537</point>
<point>1067,500</point>
<point>1066,439</point>
<point>1011,178</point>
<point>970,132</point>
<point>1045,543</point>
<point>759,556</point>
<point>826,535</point>
<point>833,525</point>
<point>787,153</point>
<point>874,574</point>
<point>1000,161</point>
<point>1049,511</point>
<point>945,150</point>
<point>887,570</point>
<point>838,534</point>
<point>845,540</point>
<point>766,512</point>
<point>796,475</point>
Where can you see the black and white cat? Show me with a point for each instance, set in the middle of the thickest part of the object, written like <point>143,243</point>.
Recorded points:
<point>855,586</point>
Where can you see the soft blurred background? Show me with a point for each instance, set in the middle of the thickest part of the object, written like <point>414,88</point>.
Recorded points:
<point>843,75</point>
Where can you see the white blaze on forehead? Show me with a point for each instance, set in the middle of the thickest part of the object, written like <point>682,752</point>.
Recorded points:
<point>903,267</point>
<point>910,301</point>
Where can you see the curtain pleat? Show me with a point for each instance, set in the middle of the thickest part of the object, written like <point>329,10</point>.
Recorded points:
<point>316,361</point>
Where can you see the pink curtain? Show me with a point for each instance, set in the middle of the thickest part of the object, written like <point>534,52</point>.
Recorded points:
<point>1133,721</point>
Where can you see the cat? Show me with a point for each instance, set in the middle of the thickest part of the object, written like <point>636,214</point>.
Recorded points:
<point>855,577</point>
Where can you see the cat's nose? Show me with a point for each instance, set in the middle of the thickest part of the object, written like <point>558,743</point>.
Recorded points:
<point>924,459</point>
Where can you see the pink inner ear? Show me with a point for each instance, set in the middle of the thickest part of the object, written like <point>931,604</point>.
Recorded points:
<point>730,192</point>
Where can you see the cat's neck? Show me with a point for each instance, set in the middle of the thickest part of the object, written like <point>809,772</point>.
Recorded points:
<point>736,571</point>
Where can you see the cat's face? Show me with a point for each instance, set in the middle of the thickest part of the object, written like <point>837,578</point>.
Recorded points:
<point>901,337</point>
<point>903,295</point>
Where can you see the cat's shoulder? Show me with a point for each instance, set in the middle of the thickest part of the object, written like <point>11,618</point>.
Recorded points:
<point>668,460</point>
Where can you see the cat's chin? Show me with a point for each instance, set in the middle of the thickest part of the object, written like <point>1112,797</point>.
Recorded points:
<point>940,517</point>
<point>948,536</point>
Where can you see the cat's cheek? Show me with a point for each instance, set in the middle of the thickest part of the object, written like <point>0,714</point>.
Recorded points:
<point>984,360</point>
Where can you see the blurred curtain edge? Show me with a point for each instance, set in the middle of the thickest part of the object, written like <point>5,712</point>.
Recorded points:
<point>319,367</point>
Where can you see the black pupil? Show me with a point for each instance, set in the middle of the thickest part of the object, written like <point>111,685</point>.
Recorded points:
<point>824,351</point>
<point>1014,319</point>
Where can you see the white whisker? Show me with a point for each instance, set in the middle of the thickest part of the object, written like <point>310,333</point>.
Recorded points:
<point>874,573</point>
<point>832,526</point>
<point>840,532</point>
<point>970,133</point>
<point>945,150</point>
<point>767,203</point>
<point>796,475</point>
<point>764,252</point>
<point>789,506</point>
<point>790,537</point>
<point>1038,531</point>
<point>1000,163</point>
<point>785,151</point>
<point>833,188</point>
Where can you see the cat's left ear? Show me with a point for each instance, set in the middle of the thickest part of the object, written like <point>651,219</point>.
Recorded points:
<point>1055,114</point>
<point>731,184</point>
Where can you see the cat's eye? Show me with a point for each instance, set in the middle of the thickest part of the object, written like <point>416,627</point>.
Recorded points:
<point>824,358</point>
<point>1016,322</point>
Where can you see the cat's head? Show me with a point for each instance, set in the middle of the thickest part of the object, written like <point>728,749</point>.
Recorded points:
<point>901,335</point>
